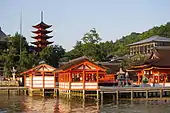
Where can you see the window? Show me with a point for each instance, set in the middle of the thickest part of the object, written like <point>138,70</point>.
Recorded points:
<point>91,77</point>
<point>77,77</point>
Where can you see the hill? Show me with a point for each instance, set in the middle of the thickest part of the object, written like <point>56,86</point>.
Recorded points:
<point>101,50</point>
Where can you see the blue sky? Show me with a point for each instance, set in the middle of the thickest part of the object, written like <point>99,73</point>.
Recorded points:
<point>72,18</point>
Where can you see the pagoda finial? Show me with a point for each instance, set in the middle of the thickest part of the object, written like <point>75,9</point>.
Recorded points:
<point>41,16</point>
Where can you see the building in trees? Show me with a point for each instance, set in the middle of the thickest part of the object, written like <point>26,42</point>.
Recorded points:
<point>147,46</point>
<point>41,34</point>
<point>156,69</point>
<point>3,45</point>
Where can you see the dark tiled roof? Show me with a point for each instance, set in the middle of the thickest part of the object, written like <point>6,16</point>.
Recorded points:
<point>2,35</point>
<point>67,65</point>
<point>76,61</point>
<point>159,58</point>
<point>152,39</point>
<point>111,67</point>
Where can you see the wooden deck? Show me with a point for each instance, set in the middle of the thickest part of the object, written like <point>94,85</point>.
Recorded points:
<point>132,90</point>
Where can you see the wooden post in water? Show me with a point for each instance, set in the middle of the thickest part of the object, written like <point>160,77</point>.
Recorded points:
<point>84,94</point>
<point>8,91</point>
<point>101,96</point>
<point>97,95</point>
<point>117,95</point>
<point>161,93</point>
<point>131,95</point>
<point>43,92</point>
<point>55,94</point>
<point>146,94</point>
<point>69,94</point>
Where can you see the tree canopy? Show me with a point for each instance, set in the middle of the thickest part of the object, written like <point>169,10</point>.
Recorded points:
<point>24,58</point>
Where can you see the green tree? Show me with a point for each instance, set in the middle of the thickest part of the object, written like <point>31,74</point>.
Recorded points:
<point>91,37</point>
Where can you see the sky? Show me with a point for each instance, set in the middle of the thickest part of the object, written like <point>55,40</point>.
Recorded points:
<point>71,19</point>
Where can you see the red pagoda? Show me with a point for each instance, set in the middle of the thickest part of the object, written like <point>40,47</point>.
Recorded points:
<point>41,34</point>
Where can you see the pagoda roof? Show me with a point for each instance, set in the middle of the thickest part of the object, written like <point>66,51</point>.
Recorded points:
<point>3,36</point>
<point>151,39</point>
<point>43,31</point>
<point>158,59</point>
<point>41,42</point>
<point>42,36</point>
<point>42,25</point>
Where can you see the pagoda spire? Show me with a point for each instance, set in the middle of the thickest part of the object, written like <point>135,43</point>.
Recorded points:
<point>41,34</point>
<point>41,16</point>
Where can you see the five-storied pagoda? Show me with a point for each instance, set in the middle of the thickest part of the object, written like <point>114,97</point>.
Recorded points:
<point>41,35</point>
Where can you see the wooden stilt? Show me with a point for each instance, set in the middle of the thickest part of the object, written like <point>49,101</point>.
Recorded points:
<point>161,93</point>
<point>146,94</point>
<point>101,98</point>
<point>101,95</point>
<point>55,93</point>
<point>84,94</point>
<point>43,92</point>
<point>8,91</point>
<point>131,95</point>
<point>97,94</point>
<point>117,95</point>
<point>69,94</point>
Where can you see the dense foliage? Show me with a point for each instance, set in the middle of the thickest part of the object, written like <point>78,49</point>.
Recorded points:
<point>26,57</point>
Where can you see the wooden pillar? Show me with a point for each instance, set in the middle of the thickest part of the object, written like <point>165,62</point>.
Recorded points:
<point>25,80</point>
<point>101,97</point>
<point>69,94</point>
<point>8,91</point>
<point>146,94</point>
<point>55,92</point>
<point>54,74</point>
<point>43,92</point>
<point>84,94</point>
<point>97,77</point>
<point>70,79</point>
<point>138,78</point>
<point>43,78</point>
<point>31,80</point>
<point>117,95</point>
<point>161,93</point>
<point>131,95</point>
<point>97,94</point>
<point>84,77</point>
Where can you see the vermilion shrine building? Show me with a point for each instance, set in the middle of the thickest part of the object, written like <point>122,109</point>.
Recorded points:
<point>156,69</point>
<point>40,76</point>
<point>80,74</point>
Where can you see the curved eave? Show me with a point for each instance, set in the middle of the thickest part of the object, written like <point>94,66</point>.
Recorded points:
<point>41,42</point>
<point>42,25</point>
<point>41,31</point>
<point>44,37</point>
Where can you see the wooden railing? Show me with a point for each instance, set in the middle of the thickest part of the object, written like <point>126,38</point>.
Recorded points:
<point>9,83</point>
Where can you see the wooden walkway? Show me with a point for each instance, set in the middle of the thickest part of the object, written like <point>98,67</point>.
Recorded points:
<point>131,90</point>
<point>13,88</point>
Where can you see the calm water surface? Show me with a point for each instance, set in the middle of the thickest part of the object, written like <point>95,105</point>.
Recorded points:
<point>26,104</point>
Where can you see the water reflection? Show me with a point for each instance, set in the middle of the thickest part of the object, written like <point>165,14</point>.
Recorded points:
<point>26,104</point>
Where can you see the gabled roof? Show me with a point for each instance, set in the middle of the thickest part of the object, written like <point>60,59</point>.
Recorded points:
<point>40,68</point>
<point>152,39</point>
<point>2,35</point>
<point>77,61</point>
